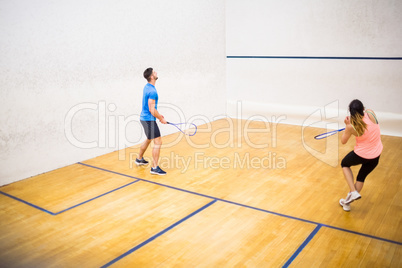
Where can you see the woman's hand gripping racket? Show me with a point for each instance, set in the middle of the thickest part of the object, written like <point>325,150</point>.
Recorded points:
<point>327,134</point>
<point>186,128</point>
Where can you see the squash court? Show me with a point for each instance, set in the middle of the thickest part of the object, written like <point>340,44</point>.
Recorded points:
<point>83,84</point>
<point>237,194</point>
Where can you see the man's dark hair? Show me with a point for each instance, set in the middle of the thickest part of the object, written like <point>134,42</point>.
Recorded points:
<point>148,73</point>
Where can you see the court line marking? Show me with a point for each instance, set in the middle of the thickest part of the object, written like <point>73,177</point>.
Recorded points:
<point>64,210</point>
<point>27,203</point>
<point>89,200</point>
<point>158,234</point>
<point>314,58</point>
<point>302,246</point>
<point>290,260</point>
<point>247,206</point>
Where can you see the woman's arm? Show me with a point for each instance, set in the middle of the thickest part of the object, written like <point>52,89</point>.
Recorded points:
<point>349,131</point>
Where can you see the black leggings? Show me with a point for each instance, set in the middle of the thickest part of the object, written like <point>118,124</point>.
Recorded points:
<point>368,165</point>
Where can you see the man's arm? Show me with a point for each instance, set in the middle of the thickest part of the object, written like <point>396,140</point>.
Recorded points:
<point>154,112</point>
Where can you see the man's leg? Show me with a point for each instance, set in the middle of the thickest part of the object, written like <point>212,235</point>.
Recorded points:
<point>156,151</point>
<point>143,148</point>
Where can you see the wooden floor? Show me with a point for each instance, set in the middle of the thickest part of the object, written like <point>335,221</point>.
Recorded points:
<point>237,194</point>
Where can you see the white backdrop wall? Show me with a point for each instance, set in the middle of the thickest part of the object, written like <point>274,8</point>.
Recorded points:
<point>71,75</point>
<point>357,45</point>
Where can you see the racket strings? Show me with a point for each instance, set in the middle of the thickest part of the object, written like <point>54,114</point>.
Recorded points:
<point>189,129</point>
<point>186,128</point>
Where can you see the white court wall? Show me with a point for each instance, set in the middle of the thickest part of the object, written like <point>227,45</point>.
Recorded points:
<point>71,75</point>
<point>358,50</point>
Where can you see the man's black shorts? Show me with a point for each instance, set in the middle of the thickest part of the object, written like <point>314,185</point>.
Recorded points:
<point>151,129</point>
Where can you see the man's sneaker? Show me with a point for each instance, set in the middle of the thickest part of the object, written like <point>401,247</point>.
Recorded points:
<point>157,171</point>
<point>352,196</point>
<point>346,207</point>
<point>140,162</point>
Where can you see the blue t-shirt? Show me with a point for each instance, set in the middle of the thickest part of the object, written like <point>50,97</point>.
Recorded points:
<point>149,93</point>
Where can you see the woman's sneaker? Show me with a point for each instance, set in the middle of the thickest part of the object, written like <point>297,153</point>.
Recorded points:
<point>352,196</point>
<point>157,171</point>
<point>346,207</point>
<point>140,162</point>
